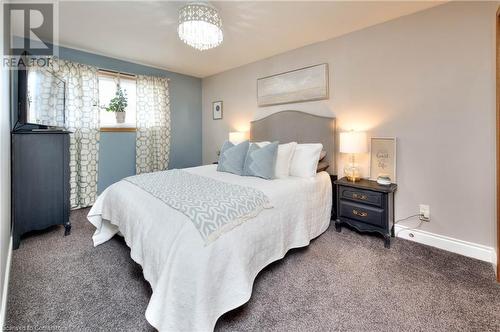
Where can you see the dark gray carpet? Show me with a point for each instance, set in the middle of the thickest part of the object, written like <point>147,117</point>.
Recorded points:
<point>342,281</point>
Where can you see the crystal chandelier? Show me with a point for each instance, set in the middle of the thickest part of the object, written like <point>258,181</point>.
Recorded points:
<point>200,26</point>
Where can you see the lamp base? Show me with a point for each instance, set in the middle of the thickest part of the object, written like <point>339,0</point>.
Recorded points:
<point>352,173</point>
<point>353,178</point>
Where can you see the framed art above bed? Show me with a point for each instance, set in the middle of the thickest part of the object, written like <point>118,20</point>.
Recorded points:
<point>300,85</point>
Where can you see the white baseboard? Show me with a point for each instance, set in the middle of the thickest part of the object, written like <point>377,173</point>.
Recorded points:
<point>3,304</point>
<point>460,247</point>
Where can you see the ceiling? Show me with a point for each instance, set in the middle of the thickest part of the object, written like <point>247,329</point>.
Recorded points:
<point>146,32</point>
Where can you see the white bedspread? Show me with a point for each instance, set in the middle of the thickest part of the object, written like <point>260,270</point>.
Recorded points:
<point>194,284</point>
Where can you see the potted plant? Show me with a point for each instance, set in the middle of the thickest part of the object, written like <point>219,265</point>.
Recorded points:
<point>118,104</point>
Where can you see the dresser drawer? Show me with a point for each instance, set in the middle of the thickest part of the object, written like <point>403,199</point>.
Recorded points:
<point>364,213</point>
<point>360,195</point>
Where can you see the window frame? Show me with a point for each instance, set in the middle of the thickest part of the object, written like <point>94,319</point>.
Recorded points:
<point>116,127</point>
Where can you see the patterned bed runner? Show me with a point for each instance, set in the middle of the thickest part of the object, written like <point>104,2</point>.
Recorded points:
<point>213,206</point>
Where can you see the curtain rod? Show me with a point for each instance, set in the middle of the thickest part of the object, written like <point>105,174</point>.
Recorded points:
<point>114,73</point>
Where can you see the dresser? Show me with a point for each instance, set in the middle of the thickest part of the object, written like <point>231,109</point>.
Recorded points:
<point>366,206</point>
<point>40,181</point>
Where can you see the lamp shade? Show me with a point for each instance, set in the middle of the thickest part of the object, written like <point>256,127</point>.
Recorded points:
<point>353,142</point>
<point>236,137</point>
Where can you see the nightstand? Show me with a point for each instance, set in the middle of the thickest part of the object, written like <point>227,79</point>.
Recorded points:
<point>366,206</point>
<point>333,217</point>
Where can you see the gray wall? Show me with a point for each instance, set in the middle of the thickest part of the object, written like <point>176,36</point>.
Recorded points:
<point>117,150</point>
<point>426,78</point>
<point>4,177</point>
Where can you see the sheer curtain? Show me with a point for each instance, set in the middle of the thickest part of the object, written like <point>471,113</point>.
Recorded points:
<point>82,118</point>
<point>153,124</point>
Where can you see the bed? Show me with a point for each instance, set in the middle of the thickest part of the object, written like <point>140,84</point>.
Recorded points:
<point>194,282</point>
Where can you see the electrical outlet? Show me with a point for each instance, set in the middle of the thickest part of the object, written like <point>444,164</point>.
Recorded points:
<point>425,212</point>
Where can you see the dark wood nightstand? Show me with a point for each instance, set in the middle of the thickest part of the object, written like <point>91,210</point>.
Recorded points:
<point>366,206</point>
<point>333,217</point>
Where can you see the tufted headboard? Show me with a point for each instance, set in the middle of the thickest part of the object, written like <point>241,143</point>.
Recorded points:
<point>300,127</point>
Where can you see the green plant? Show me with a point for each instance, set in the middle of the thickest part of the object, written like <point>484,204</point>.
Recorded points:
<point>119,101</point>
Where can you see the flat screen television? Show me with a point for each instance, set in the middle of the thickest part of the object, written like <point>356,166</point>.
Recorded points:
<point>41,98</point>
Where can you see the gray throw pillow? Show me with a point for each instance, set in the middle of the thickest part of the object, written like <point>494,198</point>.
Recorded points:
<point>232,157</point>
<point>261,161</point>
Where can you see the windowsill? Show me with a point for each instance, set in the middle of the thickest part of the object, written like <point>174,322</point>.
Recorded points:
<point>118,128</point>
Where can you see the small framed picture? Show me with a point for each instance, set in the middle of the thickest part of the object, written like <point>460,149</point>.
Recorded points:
<point>383,157</point>
<point>217,110</point>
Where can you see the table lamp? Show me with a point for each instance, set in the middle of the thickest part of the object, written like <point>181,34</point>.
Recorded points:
<point>353,142</point>
<point>236,137</point>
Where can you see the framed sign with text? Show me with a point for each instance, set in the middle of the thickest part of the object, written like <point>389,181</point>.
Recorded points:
<point>383,157</point>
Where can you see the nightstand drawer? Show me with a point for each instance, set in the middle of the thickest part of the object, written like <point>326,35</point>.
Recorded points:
<point>363,213</point>
<point>362,196</point>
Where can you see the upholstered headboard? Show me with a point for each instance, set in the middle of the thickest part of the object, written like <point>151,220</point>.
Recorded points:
<point>300,127</point>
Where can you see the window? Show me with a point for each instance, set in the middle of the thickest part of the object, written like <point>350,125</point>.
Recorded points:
<point>108,83</point>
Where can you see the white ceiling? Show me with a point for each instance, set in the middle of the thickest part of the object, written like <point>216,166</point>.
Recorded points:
<point>146,32</point>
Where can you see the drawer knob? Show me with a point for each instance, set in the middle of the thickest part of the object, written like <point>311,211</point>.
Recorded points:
<point>359,213</point>
<point>359,196</point>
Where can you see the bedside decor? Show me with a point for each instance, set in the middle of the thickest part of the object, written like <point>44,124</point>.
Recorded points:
<point>383,158</point>
<point>383,180</point>
<point>217,110</point>
<point>366,206</point>
<point>306,84</point>
<point>352,142</point>
<point>236,137</point>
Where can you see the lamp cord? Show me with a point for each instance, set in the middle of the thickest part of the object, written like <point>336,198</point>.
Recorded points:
<point>409,229</point>
<point>414,215</point>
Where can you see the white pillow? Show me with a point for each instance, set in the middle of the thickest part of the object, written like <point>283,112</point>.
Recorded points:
<point>283,160</point>
<point>305,160</point>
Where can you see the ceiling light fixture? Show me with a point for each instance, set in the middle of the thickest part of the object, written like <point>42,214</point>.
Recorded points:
<point>200,26</point>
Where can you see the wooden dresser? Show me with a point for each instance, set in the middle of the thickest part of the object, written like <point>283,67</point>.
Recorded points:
<point>40,181</point>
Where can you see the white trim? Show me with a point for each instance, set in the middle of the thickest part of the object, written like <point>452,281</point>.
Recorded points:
<point>3,304</point>
<point>460,247</point>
